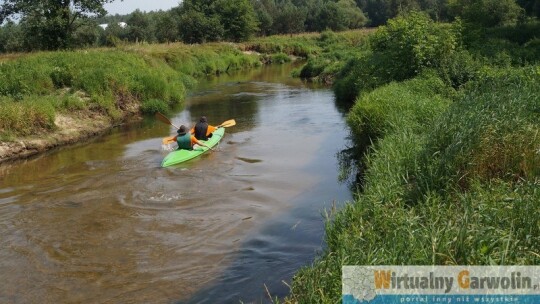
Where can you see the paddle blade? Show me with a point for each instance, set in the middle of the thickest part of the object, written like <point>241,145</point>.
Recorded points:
<point>169,140</point>
<point>228,123</point>
<point>164,119</point>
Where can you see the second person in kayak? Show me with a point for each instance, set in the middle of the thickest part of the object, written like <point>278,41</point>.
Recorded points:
<point>202,129</point>
<point>186,141</point>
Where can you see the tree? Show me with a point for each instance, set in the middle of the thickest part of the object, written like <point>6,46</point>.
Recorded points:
<point>86,35</point>
<point>436,9</point>
<point>195,27</point>
<point>114,34</point>
<point>314,8</point>
<point>198,21</point>
<point>52,22</point>
<point>331,18</point>
<point>211,20</point>
<point>531,7</point>
<point>378,11</point>
<point>487,13</point>
<point>166,27</point>
<point>264,17</point>
<point>290,18</point>
<point>354,16</point>
<point>238,19</point>
<point>11,38</point>
<point>138,27</point>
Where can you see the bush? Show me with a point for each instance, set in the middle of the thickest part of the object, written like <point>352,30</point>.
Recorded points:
<point>460,68</point>
<point>413,43</point>
<point>313,68</point>
<point>152,106</point>
<point>410,105</point>
<point>486,13</point>
<point>359,74</point>
<point>280,58</point>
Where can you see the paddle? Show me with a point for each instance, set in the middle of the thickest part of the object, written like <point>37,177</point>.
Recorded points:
<point>225,124</point>
<point>164,119</point>
<point>228,123</point>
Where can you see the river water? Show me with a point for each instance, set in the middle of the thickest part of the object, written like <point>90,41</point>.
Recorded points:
<point>102,222</point>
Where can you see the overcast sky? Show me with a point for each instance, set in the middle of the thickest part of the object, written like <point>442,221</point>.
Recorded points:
<point>128,6</point>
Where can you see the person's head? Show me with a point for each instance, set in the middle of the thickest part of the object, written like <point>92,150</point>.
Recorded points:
<point>182,130</point>
<point>203,119</point>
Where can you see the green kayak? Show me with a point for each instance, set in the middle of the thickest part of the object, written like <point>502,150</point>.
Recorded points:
<point>180,156</point>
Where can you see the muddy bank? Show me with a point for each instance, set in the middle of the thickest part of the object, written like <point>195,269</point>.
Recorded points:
<point>70,128</point>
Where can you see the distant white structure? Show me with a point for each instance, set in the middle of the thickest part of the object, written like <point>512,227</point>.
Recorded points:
<point>121,24</point>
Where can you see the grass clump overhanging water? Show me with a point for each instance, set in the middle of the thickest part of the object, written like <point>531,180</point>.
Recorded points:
<point>34,88</point>
<point>25,116</point>
<point>412,104</point>
<point>335,49</point>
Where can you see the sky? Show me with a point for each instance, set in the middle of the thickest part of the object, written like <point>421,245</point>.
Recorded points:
<point>128,6</point>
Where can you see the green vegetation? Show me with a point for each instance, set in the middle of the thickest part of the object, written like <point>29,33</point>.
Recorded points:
<point>34,88</point>
<point>447,114</point>
<point>108,81</point>
<point>454,184</point>
<point>49,25</point>
<point>74,24</point>
<point>452,165</point>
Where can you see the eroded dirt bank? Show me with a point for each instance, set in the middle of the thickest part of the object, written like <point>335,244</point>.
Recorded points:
<point>70,128</point>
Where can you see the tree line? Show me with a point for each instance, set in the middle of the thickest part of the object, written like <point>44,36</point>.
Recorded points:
<point>51,24</point>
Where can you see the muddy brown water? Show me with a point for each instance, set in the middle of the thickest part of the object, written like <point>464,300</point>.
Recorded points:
<point>101,222</point>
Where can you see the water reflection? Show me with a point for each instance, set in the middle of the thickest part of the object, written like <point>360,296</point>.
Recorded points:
<point>352,166</point>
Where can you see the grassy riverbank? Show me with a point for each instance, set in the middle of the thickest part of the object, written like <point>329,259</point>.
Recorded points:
<point>453,160</point>
<point>52,98</point>
<point>35,88</point>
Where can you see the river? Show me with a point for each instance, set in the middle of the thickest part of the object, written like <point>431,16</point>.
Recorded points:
<point>102,222</point>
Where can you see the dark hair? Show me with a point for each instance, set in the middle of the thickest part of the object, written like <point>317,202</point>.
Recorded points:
<point>203,119</point>
<point>182,130</point>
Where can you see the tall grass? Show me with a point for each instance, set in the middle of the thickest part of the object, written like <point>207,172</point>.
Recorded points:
<point>110,81</point>
<point>448,183</point>
<point>412,105</point>
<point>493,132</point>
<point>31,115</point>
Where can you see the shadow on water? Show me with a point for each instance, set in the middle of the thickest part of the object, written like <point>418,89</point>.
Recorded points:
<point>267,260</point>
<point>352,164</point>
<point>256,272</point>
<point>352,158</point>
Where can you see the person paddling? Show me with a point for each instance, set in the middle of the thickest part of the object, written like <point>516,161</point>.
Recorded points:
<point>202,129</point>
<point>186,141</point>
